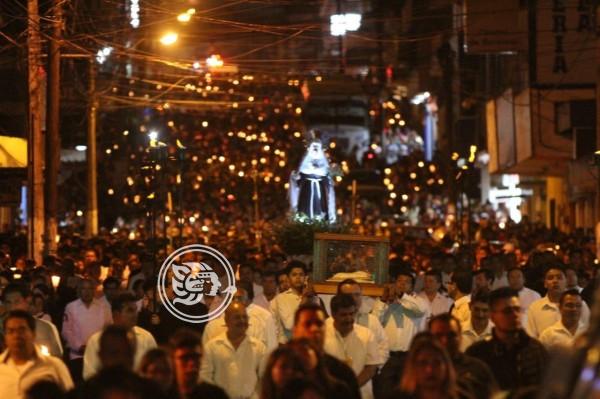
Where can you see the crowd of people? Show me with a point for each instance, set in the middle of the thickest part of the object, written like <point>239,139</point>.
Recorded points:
<point>452,322</point>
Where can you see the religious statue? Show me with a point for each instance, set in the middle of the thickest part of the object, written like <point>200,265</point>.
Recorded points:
<point>311,189</point>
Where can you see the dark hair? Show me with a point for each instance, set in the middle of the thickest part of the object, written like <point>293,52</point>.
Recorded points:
<point>249,265</point>
<point>268,387</point>
<point>348,281</point>
<point>501,293</point>
<point>137,284</point>
<point>17,288</point>
<point>570,267</point>
<point>44,390</point>
<point>308,307</point>
<point>463,280</point>
<point>296,264</point>
<point>109,281</point>
<point>281,273</point>
<point>512,269</point>
<point>296,387</point>
<point>481,296</point>
<point>119,302</point>
<point>248,287</point>
<point>152,356</point>
<point>43,288</point>
<point>405,272</point>
<point>444,318</point>
<point>572,291</point>
<point>555,266</point>
<point>20,314</point>
<point>114,331</point>
<point>489,275</point>
<point>185,338</point>
<point>341,301</point>
<point>269,273</point>
<point>434,273</point>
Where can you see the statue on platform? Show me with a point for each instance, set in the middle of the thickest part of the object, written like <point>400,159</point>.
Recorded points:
<point>311,191</point>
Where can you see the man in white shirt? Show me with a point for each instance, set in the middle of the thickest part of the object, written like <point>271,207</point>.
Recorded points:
<point>483,280</point>
<point>284,305</point>
<point>497,265</point>
<point>269,284</point>
<point>261,324</point>
<point>480,326</point>
<point>516,281</point>
<point>18,297</point>
<point>459,289</point>
<point>234,360</point>
<point>246,273</point>
<point>351,343</point>
<point>404,316</point>
<point>569,327</point>
<point>83,317</point>
<point>438,302</point>
<point>22,364</point>
<point>125,314</point>
<point>544,312</point>
<point>352,288</point>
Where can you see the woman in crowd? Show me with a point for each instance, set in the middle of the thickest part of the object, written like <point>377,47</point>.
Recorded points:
<point>428,373</point>
<point>156,366</point>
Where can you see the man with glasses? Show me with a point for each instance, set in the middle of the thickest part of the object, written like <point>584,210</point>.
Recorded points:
<point>516,360</point>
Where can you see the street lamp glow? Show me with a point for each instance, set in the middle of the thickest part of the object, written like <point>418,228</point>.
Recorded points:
<point>103,54</point>
<point>81,148</point>
<point>153,135</point>
<point>342,23</point>
<point>169,38</point>
<point>214,61</point>
<point>184,17</point>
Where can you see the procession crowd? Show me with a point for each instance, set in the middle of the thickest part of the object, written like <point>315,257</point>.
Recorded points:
<point>453,321</point>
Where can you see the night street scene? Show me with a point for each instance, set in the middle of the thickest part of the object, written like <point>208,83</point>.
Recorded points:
<point>299,199</point>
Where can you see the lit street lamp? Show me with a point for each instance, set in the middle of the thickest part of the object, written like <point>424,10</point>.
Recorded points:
<point>169,38</point>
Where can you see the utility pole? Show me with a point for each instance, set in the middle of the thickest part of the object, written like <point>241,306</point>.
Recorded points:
<point>53,129</point>
<point>35,146</point>
<point>91,216</point>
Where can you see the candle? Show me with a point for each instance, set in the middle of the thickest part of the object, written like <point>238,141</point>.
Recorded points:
<point>55,281</point>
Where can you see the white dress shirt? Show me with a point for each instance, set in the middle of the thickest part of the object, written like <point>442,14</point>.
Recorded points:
<point>461,309</point>
<point>283,308</point>
<point>17,379</point>
<point>81,322</point>
<point>441,303</point>
<point>357,349</point>
<point>372,323</point>
<point>557,335</point>
<point>144,341</point>
<point>527,296</point>
<point>237,371</point>
<point>543,313</point>
<point>261,326</point>
<point>262,301</point>
<point>470,336</point>
<point>400,333</point>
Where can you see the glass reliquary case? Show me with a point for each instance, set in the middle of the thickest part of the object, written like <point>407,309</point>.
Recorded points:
<point>337,257</point>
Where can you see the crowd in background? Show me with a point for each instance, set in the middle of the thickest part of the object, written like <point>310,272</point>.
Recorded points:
<point>454,321</point>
